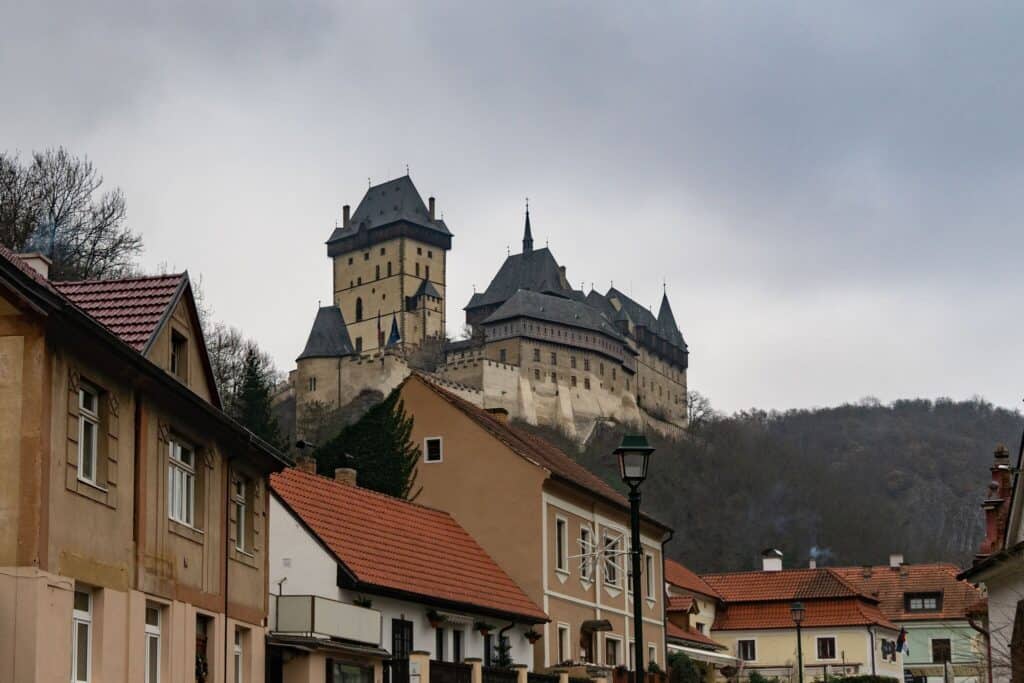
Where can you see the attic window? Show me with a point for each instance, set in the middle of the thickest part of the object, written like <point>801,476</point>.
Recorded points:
<point>923,602</point>
<point>179,355</point>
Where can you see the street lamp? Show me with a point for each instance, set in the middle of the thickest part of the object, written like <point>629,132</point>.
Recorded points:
<point>797,610</point>
<point>633,454</point>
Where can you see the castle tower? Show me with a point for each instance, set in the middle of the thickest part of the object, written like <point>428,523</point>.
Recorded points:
<point>389,260</point>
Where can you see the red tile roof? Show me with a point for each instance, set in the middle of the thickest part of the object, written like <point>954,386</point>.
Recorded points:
<point>683,577</point>
<point>680,603</point>
<point>851,611</point>
<point>24,267</point>
<point>889,585</point>
<point>790,584</point>
<point>402,547</point>
<point>536,450</point>
<point>132,308</point>
<point>673,632</point>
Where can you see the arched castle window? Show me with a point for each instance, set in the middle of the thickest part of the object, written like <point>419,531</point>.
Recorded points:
<point>389,268</point>
<point>359,309</point>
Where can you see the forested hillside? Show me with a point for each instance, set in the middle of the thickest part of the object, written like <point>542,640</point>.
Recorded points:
<point>848,484</point>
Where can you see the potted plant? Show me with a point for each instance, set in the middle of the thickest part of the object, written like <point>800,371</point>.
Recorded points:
<point>362,601</point>
<point>483,627</point>
<point>435,618</point>
<point>532,636</point>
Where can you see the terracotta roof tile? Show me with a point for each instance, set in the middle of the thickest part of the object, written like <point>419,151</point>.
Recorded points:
<point>131,308</point>
<point>24,267</point>
<point>536,450</point>
<point>674,632</point>
<point>680,603</point>
<point>851,611</point>
<point>397,545</point>
<point>889,585</point>
<point>791,584</point>
<point>683,577</point>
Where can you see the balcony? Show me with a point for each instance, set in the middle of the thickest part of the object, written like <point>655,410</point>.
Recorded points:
<point>317,617</point>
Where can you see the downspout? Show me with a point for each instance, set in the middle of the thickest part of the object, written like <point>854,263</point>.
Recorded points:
<point>501,639</point>
<point>988,643</point>
<point>871,632</point>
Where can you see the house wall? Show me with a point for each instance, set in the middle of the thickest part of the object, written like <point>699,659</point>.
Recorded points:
<point>1005,585</point>
<point>184,323</point>
<point>966,644</point>
<point>311,570</point>
<point>776,649</point>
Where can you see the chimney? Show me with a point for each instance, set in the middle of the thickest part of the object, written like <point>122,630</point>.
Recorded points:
<point>345,475</point>
<point>500,414</point>
<point>895,560</point>
<point>345,211</point>
<point>37,262</point>
<point>430,204</point>
<point>996,506</point>
<point>306,463</point>
<point>771,560</point>
<point>813,564</point>
<point>866,571</point>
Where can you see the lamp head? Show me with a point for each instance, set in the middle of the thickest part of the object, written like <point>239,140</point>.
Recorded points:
<point>633,454</point>
<point>797,610</point>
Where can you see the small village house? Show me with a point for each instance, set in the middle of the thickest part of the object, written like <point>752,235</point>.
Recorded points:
<point>132,509</point>
<point>934,609</point>
<point>558,529</point>
<point>690,610</point>
<point>843,631</point>
<point>370,588</point>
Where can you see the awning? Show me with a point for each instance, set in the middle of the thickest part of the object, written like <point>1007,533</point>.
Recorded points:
<point>709,656</point>
<point>309,644</point>
<point>592,625</point>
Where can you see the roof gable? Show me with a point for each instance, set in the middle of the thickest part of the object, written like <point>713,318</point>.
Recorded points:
<point>889,585</point>
<point>535,270</point>
<point>683,577</point>
<point>398,546</point>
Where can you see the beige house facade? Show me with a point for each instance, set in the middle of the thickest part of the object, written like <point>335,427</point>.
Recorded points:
<point>557,529</point>
<point>133,510</point>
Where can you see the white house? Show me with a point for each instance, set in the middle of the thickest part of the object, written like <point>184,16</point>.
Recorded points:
<point>361,580</point>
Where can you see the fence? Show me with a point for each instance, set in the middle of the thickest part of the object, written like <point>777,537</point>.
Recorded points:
<point>493,674</point>
<point>450,672</point>
<point>543,678</point>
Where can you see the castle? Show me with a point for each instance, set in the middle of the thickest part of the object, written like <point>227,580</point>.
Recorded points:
<point>538,348</point>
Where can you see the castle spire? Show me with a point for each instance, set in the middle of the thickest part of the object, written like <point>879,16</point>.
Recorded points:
<point>527,235</point>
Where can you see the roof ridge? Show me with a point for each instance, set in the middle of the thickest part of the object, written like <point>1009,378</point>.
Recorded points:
<point>137,278</point>
<point>849,586</point>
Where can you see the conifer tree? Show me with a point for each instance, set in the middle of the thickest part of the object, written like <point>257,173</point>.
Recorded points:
<point>252,407</point>
<point>378,447</point>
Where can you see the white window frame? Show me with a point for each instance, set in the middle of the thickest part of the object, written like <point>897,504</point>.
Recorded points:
<point>80,618</point>
<point>649,582</point>
<point>152,632</point>
<point>426,450</point>
<point>587,549</point>
<point>835,648</point>
<point>181,482</point>
<point>618,650</point>
<point>239,656</point>
<point>652,653</point>
<point>91,417</point>
<point>238,499</point>
<point>610,548</point>
<point>563,647</point>
<point>561,544</point>
<point>739,654</point>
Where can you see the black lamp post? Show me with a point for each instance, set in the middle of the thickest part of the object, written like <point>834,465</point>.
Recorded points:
<point>797,610</point>
<point>633,454</point>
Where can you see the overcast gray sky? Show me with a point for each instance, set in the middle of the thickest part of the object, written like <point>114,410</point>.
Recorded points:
<point>831,189</point>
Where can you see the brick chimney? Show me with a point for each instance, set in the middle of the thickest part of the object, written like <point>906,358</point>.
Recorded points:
<point>997,505</point>
<point>38,262</point>
<point>771,560</point>
<point>500,414</point>
<point>306,463</point>
<point>345,215</point>
<point>430,207</point>
<point>345,475</point>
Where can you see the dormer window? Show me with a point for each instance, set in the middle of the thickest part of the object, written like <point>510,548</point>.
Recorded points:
<point>179,355</point>
<point>923,602</point>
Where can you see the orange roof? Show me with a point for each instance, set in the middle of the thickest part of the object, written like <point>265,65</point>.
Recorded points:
<point>788,585</point>
<point>673,632</point>
<point>536,450</point>
<point>132,308</point>
<point>682,577</point>
<point>849,611</point>
<point>401,547</point>
<point>890,585</point>
<point>679,603</point>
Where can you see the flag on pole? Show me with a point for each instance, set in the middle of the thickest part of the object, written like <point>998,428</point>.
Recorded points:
<point>394,337</point>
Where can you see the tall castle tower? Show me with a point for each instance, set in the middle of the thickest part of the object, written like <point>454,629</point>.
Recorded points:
<point>389,259</point>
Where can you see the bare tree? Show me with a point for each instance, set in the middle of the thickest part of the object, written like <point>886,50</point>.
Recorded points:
<point>699,411</point>
<point>54,204</point>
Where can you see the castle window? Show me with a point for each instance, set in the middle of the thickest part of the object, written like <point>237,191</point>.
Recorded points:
<point>586,365</point>
<point>359,280</point>
<point>427,270</point>
<point>417,270</point>
<point>419,251</point>
<point>613,374</point>
<point>351,283</point>
<point>536,374</point>
<point>627,384</point>
<point>311,383</point>
<point>572,380</point>
<point>600,369</point>
<point>572,362</point>
<point>389,268</point>
<point>376,271</point>
<point>502,355</point>
<point>554,378</point>
<point>554,358</point>
<point>382,251</point>
<point>366,256</point>
<point>536,355</point>
<point>359,344</point>
<point>586,383</point>
<point>430,254</point>
<point>359,309</point>
<point>350,260</point>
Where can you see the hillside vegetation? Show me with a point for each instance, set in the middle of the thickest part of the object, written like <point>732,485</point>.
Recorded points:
<point>847,485</point>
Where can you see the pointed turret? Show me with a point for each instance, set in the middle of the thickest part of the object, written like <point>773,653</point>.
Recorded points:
<point>665,317</point>
<point>527,235</point>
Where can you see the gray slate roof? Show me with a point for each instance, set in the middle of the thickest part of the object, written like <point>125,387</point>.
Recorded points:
<point>538,306</point>
<point>667,322</point>
<point>387,203</point>
<point>535,270</point>
<point>329,336</point>
<point>665,328</point>
<point>427,288</point>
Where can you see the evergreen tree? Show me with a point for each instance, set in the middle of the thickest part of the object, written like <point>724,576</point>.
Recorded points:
<point>378,447</point>
<point>252,404</point>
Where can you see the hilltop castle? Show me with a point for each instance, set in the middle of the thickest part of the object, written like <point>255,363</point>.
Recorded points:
<point>542,351</point>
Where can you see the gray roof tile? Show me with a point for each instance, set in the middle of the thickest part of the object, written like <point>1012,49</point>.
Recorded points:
<point>387,203</point>
<point>329,336</point>
<point>538,306</point>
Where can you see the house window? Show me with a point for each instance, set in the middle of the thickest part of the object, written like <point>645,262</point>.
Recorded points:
<point>457,654</point>
<point>181,482</point>
<point>700,627</point>
<point>561,543</point>
<point>554,358</point>
<point>432,449</point>
<point>826,648</point>
<point>649,575</point>
<point>489,650</point>
<point>81,636</point>
<point>611,651</point>
<point>503,355</point>
<point>152,643</point>
<point>652,654</point>
<point>238,653</point>
<point>923,602</point>
<point>746,650</point>
<point>359,308</point>
<point>611,560</point>
<point>312,383</point>
<point>941,650</point>
<point>563,644</point>
<point>439,644</point>
<point>88,431</point>
<point>586,548</point>
<point>179,355</point>
<point>238,499</point>
<point>536,355</point>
